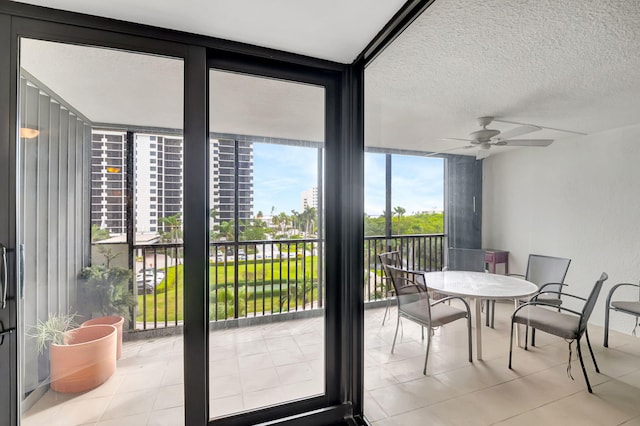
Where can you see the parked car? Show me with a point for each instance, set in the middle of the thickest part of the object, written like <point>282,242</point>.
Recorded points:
<point>146,280</point>
<point>146,286</point>
<point>150,273</point>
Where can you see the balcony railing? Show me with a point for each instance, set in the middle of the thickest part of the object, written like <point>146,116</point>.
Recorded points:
<point>258,278</point>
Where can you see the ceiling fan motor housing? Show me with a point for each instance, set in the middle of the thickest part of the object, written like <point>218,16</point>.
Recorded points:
<point>483,135</point>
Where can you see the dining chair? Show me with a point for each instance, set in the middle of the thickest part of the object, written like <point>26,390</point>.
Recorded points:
<point>548,273</point>
<point>630,307</point>
<point>391,258</point>
<point>560,321</point>
<point>414,304</point>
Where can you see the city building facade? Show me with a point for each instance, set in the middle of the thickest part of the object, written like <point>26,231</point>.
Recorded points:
<point>310,198</point>
<point>158,172</point>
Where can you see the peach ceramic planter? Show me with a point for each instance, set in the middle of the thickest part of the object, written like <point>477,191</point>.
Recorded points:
<point>86,361</point>
<point>114,320</point>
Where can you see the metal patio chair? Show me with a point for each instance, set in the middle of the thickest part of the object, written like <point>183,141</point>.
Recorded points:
<point>414,304</point>
<point>629,307</point>
<point>560,321</point>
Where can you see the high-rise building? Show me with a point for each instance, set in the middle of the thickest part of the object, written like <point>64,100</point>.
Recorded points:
<point>108,181</point>
<point>222,191</point>
<point>158,171</point>
<point>310,198</point>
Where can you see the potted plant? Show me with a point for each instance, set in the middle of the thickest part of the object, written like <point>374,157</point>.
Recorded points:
<point>80,359</point>
<point>107,295</point>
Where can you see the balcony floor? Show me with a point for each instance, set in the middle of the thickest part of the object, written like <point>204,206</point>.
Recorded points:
<point>259,365</point>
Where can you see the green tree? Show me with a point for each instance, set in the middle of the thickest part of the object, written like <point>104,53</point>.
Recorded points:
<point>295,220</point>
<point>172,226</point>
<point>99,234</point>
<point>399,212</point>
<point>374,226</point>
<point>281,220</point>
<point>225,230</point>
<point>309,218</point>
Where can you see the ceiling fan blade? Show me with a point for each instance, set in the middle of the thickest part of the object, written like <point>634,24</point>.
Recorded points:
<point>518,131</point>
<point>526,142</point>
<point>455,139</point>
<point>449,150</point>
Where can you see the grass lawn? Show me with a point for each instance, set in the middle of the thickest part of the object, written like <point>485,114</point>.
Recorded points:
<point>264,283</point>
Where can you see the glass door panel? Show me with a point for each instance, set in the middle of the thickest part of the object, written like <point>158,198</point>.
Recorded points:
<point>99,231</point>
<point>266,263</point>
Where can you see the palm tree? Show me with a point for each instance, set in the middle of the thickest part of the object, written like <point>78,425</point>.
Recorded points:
<point>309,218</point>
<point>295,220</point>
<point>282,221</point>
<point>399,211</point>
<point>226,229</point>
<point>173,227</point>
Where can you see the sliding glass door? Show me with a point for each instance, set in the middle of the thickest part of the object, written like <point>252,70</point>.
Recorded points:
<point>99,221</point>
<point>218,242</point>
<point>266,252</point>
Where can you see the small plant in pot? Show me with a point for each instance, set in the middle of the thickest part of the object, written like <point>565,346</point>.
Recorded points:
<point>52,330</point>
<point>80,359</point>
<point>107,295</point>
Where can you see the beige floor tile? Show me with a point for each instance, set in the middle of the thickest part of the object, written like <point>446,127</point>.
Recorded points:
<point>251,347</point>
<point>169,397</point>
<point>280,343</point>
<point>78,412</point>
<point>130,403</point>
<point>168,417</point>
<point>220,407</point>
<point>273,363</point>
<point>225,386</point>
<point>224,367</point>
<point>287,356</point>
<point>141,381</point>
<point>294,373</point>
<point>255,380</point>
<point>255,362</point>
<point>135,420</point>
<point>378,376</point>
<point>174,374</point>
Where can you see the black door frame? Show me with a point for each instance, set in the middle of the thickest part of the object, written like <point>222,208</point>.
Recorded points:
<point>331,404</point>
<point>343,199</point>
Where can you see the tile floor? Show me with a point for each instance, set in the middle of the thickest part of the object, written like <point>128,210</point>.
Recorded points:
<point>285,361</point>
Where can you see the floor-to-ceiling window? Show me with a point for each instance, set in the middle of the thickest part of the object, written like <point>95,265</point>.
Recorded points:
<point>94,201</point>
<point>131,187</point>
<point>266,253</point>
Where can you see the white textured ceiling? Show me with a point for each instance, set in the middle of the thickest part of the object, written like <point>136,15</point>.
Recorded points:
<point>336,30</point>
<point>570,64</point>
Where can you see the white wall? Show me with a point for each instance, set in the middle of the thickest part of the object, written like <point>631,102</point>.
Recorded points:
<point>578,198</point>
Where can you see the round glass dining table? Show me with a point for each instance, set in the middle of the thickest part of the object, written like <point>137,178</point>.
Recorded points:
<point>479,286</point>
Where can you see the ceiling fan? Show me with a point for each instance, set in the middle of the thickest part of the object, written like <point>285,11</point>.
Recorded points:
<point>485,138</point>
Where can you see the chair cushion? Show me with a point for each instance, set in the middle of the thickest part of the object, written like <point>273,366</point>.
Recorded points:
<point>440,314</point>
<point>629,307</point>
<point>443,314</point>
<point>549,321</point>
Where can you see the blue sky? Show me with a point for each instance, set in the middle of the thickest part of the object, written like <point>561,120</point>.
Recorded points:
<point>281,173</point>
<point>417,183</point>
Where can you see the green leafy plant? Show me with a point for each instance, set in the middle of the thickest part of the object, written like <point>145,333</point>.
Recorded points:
<point>52,330</point>
<point>106,288</point>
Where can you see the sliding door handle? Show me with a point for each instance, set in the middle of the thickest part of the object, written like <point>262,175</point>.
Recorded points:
<point>3,277</point>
